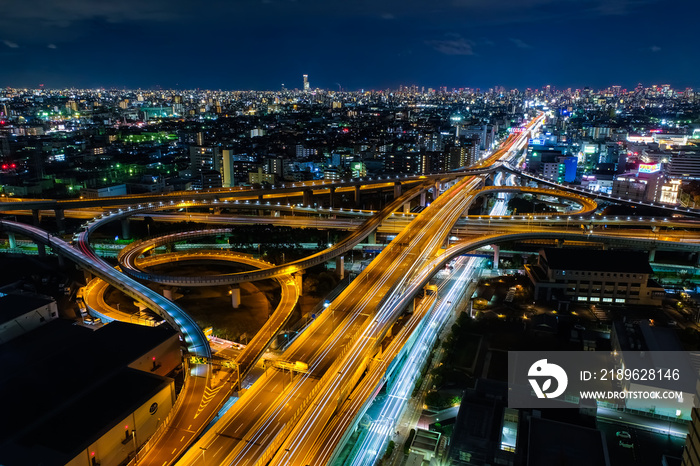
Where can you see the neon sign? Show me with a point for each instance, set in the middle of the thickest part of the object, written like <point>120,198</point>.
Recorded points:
<point>649,167</point>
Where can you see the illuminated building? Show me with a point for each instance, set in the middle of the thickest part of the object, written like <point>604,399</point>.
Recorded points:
<point>331,173</point>
<point>661,348</point>
<point>684,166</point>
<point>306,82</point>
<point>485,133</point>
<point>203,158</point>
<point>593,276</point>
<point>629,187</point>
<point>236,167</point>
<point>260,177</point>
<point>107,191</point>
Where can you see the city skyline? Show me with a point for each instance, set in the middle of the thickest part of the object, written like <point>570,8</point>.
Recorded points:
<point>344,278</point>
<point>360,46</point>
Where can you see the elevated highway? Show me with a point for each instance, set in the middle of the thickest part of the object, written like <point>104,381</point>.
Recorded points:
<point>290,292</point>
<point>281,419</point>
<point>193,336</point>
<point>334,348</point>
<point>243,193</point>
<point>587,206</point>
<point>312,451</point>
<point>668,209</point>
<point>129,254</point>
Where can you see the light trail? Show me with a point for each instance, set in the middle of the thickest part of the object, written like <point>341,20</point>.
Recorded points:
<point>453,200</point>
<point>373,444</point>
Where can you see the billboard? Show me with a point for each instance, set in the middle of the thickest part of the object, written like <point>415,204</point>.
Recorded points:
<point>649,167</point>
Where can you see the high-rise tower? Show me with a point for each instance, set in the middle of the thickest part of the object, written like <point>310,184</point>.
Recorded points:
<point>306,82</point>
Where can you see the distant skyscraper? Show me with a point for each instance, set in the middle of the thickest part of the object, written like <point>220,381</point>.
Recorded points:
<point>306,82</point>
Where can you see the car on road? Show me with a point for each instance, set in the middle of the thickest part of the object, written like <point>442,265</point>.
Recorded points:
<point>623,434</point>
<point>626,444</point>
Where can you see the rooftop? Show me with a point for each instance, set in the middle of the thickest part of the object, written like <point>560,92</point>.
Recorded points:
<point>550,443</point>
<point>60,367</point>
<point>597,260</point>
<point>15,304</point>
<point>75,425</point>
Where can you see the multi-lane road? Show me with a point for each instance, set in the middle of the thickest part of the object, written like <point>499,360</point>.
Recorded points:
<point>297,411</point>
<point>288,410</point>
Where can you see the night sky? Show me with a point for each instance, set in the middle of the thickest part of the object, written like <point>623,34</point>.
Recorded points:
<point>356,44</point>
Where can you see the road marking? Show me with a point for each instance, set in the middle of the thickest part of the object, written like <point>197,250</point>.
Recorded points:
<point>183,438</point>
<point>256,408</point>
<point>189,427</point>
<point>173,452</point>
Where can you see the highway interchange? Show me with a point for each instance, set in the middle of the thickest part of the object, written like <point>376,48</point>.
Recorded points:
<point>300,410</point>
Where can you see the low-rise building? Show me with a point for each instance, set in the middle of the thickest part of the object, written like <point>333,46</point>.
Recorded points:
<point>594,276</point>
<point>641,345</point>
<point>76,396</point>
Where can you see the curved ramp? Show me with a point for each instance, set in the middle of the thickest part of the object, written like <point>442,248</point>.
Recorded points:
<point>130,253</point>
<point>196,341</point>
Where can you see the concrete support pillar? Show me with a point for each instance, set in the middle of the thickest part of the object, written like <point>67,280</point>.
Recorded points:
<point>605,247</point>
<point>397,190</point>
<point>331,196</point>
<point>407,208</point>
<point>423,196</point>
<point>11,238</point>
<point>652,255</point>
<point>88,276</point>
<point>560,243</point>
<point>41,249</point>
<point>357,196</point>
<point>235,296</point>
<point>168,293</point>
<point>496,255</point>
<point>436,190</point>
<point>298,279</point>
<point>340,266</point>
<point>61,261</point>
<point>36,218</point>
<point>60,220</point>
<point>308,198</point>
<point>260,198</point>
<point>126,231</point>
<point>372,238</point>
